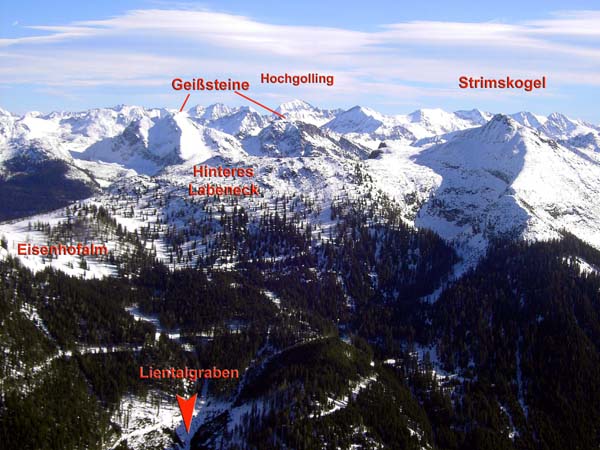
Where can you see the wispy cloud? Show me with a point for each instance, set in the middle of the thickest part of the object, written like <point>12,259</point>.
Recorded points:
<point>568,23</point>
<point>237,31</point>
<point>218,29</point>
<point>408,59</point>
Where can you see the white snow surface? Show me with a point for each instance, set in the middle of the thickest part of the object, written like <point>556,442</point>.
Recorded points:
<point>498,179</point>
<point>467,175</point>
<point>18,232</point>
<point>143,420</point>
<point>304,112</point>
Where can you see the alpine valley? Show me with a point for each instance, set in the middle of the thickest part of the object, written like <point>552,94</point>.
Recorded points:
<point>419,281</point>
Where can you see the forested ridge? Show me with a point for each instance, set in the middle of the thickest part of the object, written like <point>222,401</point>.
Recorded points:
<point>331,331</point>
<point>524,329</point>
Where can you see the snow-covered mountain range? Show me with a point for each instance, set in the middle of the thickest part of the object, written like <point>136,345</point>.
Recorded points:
<point>468,175</point>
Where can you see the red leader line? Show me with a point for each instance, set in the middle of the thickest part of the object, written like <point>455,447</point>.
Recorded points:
<point>184,102</point>
<point>260,104</point>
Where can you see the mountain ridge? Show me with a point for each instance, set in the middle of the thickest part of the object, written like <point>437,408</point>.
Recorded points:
<point>158,142</point>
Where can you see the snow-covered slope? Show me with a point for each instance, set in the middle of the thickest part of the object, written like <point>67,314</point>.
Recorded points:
<point>240,121</point>
<point>474,116</point>
<point>469,176</point>
<point>210,113</point>
<point>244,121</point>
<point>30,137</point>
<point>432,122</point>
<point>572,133</point>
<point>589,141</point>
<point>368,126</point>
<point>147,145</point>
<point>294,138</point>
<point>559,126</point>
<point>301,111</point>
<point>365,123</point>
<point>528,119</point>
<point>74,132</point>
<point>506,179</point>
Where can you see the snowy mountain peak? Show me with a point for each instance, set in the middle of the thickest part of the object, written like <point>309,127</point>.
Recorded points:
<point>196,111</point>
<point>129,110</point>
<point>34,114</point>
<point>501,128</point>
<point>474,115</point>
<point>426,123</point>
<point>294,105</point>
<point>212,112</point>
<point>356,120</point>
<point>216,111</point>
<point>560,127</point>
<point>305,112</point>
<point>148,144</point>
<point>296,138</point>
<point>241,122</point>
<point>557,117</point>
<point>528,119</point>
<point>505,179</point>
<point>429,114</point>
<point>365,111</point>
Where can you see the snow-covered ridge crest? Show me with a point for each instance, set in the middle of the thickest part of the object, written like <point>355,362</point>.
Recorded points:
<point>72,133</point>
<point>305,112</point>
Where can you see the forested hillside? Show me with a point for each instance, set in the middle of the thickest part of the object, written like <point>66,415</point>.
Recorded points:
<point>337,340</point>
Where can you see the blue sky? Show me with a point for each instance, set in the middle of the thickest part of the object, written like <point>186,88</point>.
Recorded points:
<point>392,56</point>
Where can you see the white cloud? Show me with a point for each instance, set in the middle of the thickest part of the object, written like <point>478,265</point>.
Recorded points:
<point>569,23</point>
<point>235,31</point>
<point>218,29</point>
<point>395,61</point>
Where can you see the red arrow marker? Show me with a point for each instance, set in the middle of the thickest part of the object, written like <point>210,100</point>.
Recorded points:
<point>259,104</point>
<point>184,102</point>
<point>187,409</point>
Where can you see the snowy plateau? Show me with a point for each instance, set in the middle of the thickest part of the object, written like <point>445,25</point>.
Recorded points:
<point>469,176</point>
